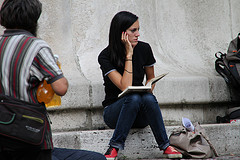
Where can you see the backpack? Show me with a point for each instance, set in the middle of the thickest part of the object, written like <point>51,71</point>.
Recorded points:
<point>228,65</point>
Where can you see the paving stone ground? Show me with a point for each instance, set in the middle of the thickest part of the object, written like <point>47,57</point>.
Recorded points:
<point>217,158</point>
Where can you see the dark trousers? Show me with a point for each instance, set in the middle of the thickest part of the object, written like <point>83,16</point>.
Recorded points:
<point>75,154</point>
<point>55,154</point>
<point>26,155</point>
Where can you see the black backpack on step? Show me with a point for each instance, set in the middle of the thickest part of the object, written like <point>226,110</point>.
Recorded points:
<point>228,65</point>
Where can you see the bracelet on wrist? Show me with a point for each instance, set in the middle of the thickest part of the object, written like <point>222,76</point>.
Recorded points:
<point>128,71</point>
<point>128,59</point>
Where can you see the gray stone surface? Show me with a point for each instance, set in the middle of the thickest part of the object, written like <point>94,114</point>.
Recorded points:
<point>140,143</point>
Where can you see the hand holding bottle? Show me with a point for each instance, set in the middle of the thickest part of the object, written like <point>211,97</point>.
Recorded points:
<point>46,94</point>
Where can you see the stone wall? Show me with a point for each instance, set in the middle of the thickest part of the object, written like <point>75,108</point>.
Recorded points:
<point>184,36</point>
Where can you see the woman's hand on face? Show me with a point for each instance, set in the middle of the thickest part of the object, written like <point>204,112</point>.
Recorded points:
<point>127,43</point>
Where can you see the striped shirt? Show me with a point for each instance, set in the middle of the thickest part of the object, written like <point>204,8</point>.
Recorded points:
<point>25,61</point>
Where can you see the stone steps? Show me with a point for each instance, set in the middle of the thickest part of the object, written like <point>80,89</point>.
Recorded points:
<point>141,143</point>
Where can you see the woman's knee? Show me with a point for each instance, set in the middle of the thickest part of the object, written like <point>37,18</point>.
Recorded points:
<point>150,102</point>
<point>148,97</point>
<point>133,102</point>
<point>134,98</point>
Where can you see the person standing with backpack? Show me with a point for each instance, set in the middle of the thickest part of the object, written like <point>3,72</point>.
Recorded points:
<point>25,61</point>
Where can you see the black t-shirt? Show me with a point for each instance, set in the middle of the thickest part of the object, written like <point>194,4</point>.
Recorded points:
<point>142,57</point>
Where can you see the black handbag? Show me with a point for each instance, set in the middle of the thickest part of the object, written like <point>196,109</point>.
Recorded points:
<point>22,124</point>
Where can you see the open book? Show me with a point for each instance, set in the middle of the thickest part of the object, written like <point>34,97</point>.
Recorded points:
<point>145,88</point>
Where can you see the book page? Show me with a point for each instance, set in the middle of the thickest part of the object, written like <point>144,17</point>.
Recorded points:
<point>146,88</point>
<point>155,79</point>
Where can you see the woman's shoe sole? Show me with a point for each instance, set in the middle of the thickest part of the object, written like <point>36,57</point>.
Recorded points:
<point>173,156</point>
<point>112,158</point>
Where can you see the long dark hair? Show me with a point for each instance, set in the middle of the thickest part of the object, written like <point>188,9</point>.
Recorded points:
<point>21,14</point>
<point>120,23</point>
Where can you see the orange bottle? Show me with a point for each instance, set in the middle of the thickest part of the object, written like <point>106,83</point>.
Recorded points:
<point>46,94</point>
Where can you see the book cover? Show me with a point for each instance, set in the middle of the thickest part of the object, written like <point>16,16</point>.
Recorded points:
<point>146,88</point>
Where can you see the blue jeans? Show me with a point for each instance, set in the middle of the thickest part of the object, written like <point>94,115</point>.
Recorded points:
<point>135,111</point>
<point>75,154</point>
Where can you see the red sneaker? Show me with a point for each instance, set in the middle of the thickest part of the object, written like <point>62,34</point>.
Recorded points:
<point>171,152</point>
<point>111,153</point>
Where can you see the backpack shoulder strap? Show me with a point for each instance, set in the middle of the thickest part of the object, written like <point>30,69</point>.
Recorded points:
<point>221,66</point>
<point>238,42</point>
<point>233,52</point>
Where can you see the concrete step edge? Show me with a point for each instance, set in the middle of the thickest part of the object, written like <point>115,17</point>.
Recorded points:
<point>140,143</point>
